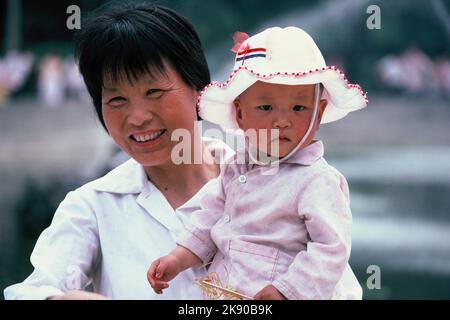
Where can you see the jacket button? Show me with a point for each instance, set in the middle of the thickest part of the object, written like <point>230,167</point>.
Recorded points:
<point>226,218</point>
<point>242,178</point>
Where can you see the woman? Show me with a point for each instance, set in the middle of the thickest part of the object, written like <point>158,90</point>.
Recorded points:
<point>144,67</point>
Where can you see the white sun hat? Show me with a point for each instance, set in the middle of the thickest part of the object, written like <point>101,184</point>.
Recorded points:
<point>282,56</point>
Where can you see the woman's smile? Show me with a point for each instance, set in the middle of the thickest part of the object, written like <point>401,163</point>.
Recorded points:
<point>150,138</point>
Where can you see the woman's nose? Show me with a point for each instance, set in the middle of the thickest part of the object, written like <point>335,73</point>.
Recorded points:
<point>140,114</point>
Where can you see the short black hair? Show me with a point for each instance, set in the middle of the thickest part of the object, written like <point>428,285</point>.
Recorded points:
<point>133,39</point>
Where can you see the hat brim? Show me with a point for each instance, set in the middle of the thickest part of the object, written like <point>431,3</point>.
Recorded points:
<point>216,100</point>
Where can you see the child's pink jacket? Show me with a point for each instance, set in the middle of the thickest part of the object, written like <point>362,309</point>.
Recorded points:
<point>291,229</point>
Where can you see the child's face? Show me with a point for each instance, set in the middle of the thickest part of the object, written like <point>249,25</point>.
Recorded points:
<point>288,108</point>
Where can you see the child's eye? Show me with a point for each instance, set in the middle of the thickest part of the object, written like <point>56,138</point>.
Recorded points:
<point>299,108</point>
<point>265,107</point>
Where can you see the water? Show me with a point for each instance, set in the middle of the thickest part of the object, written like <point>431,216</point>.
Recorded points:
<point>401,212</point>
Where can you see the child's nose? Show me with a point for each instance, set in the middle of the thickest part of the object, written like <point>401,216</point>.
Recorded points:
<point>283,123</point>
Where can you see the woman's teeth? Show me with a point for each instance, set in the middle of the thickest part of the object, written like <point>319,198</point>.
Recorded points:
<point>148,137</point>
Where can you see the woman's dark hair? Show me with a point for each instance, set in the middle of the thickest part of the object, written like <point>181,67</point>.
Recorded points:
<point>134,39</point>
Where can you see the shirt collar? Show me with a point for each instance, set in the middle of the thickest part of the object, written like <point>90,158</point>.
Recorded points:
<point>130,177</point>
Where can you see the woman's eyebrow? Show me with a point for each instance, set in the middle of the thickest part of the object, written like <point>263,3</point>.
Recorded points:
<point>151,81</point>
<point>112,90</point>
<point>148,81</point>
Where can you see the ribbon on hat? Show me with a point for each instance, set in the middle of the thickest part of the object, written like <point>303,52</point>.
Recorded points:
<point>239,38</point>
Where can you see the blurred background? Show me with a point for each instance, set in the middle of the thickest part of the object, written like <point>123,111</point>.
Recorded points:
<point>395,154</point>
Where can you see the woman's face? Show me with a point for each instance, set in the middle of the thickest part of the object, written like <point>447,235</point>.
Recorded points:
<point>141,116</point>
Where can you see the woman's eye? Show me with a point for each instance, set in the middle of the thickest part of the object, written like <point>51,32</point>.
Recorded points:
<point>299,108</point>
<point>265,107</point>
<point>155,93</point>
<point>117,101</point>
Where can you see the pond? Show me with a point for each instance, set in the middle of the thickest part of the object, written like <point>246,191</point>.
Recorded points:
<point>401,212</point>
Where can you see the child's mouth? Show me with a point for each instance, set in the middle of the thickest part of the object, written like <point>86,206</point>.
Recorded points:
<point>285,139</point>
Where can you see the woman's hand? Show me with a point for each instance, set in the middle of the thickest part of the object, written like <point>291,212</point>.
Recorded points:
<point>269,293</point>
<point>163,270</point>
<point>78,295</point>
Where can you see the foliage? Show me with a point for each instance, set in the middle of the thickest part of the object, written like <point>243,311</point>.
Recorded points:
<point>38,203</point>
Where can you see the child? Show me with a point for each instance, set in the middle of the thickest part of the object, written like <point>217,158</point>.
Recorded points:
<point>285,235</point>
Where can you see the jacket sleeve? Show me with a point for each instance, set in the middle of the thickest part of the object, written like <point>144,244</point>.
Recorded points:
<point>315,272</point>
<point>65,253</point>
<point>197,234</point>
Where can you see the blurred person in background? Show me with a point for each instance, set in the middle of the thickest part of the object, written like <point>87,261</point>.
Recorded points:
<point>418,71</point>
<point>412,72</point>
<point>15,69</point>
<point>391,73</point>
<point>51,83</point>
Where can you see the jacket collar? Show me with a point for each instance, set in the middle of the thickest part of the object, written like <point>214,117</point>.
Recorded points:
<point>306,156</point>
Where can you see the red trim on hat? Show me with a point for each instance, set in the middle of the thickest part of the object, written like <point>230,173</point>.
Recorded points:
<point>251,50</point>
<point>292,74</point>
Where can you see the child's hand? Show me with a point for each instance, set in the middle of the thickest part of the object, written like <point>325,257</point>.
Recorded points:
<point>161,271</point>
<point>269,293</point>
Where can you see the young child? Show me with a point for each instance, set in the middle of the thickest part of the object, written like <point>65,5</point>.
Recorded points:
<point>285,235</point>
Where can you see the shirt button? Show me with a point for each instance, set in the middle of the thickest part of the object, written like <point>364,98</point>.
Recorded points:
<point>242,178</point>
<point>226,218</point>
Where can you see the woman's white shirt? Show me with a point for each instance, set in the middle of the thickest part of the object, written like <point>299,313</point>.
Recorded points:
<point>107,233</point>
